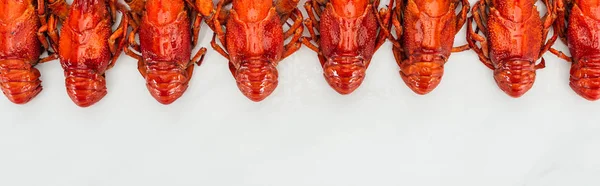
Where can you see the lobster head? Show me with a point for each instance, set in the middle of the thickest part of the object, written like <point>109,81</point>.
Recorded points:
<point>515,77</point>
<point>348,36</point>
<point>429,30</point>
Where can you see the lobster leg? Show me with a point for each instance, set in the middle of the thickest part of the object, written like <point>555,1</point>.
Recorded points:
<point>297,18</point>
<point>218,29</point>
<point>199,57</point>
<point>560,25</point>
<point>461,48</point>
<point>59,8</point>
<point>478,12</point>
<point>219,49</point>
<point>131,40</point>
<point>481,22</point>
<point>285,8</point>
<point>560,28</point>
<point>137,9</point>
<point>397,27</point>
<point>473,37</point>
<point>41,34</point>
<point>294,43</point>
<point>318,6</point>
<point>307,41</point>
<point>132,44</point>
<point>314,10</point>
<point>310,10</point>
<point>50,28</point>
<point>462,16</point>
<point>120,34</point>
<point>383,24</point>
<point>312,25</point>
<point>196,29</point>
<point>113,9</point>
<point>560,55</point>
<point>548,20</point>
<point>52,32</point>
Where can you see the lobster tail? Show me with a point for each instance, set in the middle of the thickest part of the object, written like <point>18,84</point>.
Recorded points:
<point>422,77</point>
<point>345,74</point>
<point>169,84</point>
<point>515,77</point>
<point>85,87</point>
<point>257,79</point>
<point>585,79</point>
<point>19,81</point>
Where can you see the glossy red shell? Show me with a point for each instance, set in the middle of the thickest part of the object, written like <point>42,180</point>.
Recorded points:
<point>429,31</point>
<point>515,42</point>
<point>255,46</point>
<point>19,50</point>
<point>583,36</point>
<point>348,40</point>
<point>166,48</point>
<point>83,50</point>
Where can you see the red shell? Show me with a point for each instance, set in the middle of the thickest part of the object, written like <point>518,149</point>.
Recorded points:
<point>20,49</point>
<point>83,50</point>
<point>348,43</point>
<point>583,33</point>
<point>429,31</point>
<point>514,33</point>
<point>166,48</point>
<point>255,47</point>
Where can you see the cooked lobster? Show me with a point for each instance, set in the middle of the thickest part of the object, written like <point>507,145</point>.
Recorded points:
<point>88,46</point>
<point>578,25</point>
<point>253,39</point>
<point>345,34</point>
<point>166,39</point>
<point>23,38</point>
<point>514,38</point>
<point>425,32</point>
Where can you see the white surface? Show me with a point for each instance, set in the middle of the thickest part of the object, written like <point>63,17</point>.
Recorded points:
<point>465,133</point>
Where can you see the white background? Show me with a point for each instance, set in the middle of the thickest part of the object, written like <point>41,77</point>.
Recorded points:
<point>465,133</point>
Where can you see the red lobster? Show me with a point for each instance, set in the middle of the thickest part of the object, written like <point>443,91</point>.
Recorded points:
<point>515,41</point>
<point>578,25</point>
<point>348,36</point>
<point>88,46</point>
<point>254,41</point>
<point>22,36</point>
<point>165,46</point>
<point>425,31</point>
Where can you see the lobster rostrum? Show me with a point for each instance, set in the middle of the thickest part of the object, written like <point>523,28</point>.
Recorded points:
<point>345,34</point>
<point>578,25</point>
<point>253,40</point>
<point>425,32</point>
<point>514,38</point>
<point>165,29</point>
<point>87,45</point>
<point>23,38</point>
